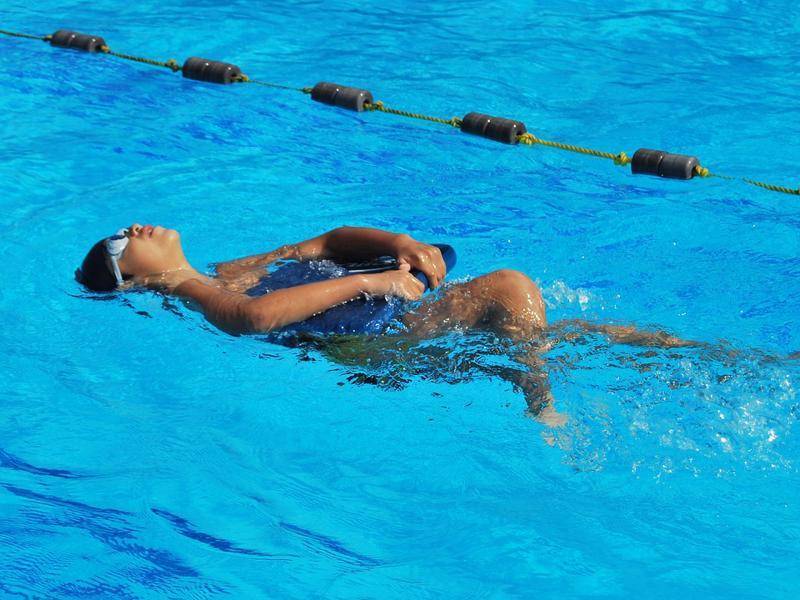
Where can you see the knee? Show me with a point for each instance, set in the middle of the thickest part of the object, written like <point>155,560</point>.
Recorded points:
<point>518,296</point>
<point>514,281</point>
<point>511,286</point>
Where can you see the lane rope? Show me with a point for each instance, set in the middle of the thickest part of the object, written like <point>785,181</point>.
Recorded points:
<point>27,36</point>
<point>527,139</point>
<point>380,106</point>
<point>172,64</point>
<point>245,79</point>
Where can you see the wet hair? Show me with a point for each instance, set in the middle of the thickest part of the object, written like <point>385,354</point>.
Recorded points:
<point>94,272</point>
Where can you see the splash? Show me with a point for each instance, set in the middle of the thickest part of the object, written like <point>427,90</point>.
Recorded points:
<point>558,294</point>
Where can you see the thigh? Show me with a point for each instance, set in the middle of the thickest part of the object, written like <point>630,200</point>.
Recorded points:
<point>505,302</point>
<point>461,306</point>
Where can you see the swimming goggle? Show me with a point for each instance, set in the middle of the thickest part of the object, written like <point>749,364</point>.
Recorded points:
<point>115,246</point>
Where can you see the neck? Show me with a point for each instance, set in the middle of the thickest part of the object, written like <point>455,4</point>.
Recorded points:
<point>169,281</point>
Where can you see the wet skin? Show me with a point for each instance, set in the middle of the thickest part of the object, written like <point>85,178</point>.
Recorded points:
<point>506,303</point>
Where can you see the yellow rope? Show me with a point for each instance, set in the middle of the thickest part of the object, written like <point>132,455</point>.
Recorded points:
<point>454,122</point>
<point>771,187</point>
<point>27,36</point>
<point>169,64</point>
<point>245,79</point>
<point>704,172</point>
<point>529,139</point>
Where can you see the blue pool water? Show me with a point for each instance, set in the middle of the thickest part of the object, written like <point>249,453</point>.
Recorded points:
<point>145,455</point>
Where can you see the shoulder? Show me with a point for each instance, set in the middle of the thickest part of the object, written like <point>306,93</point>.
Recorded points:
<point>229,310</point>
<point>240,281</point>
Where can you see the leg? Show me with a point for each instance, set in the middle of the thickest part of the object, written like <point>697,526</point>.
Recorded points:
<point>505,302</point>
<point>627,334</point>
<point>509,304</point>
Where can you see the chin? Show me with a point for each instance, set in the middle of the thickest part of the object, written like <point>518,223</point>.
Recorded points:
<point>174,239</point>
<point>171,234</point>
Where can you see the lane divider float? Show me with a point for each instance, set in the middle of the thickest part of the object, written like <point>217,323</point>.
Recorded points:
<point>658,163</point>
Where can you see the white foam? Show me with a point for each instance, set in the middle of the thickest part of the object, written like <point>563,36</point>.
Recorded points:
<point>558,294</point>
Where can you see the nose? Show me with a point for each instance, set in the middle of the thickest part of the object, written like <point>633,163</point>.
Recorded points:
<point>135,229</point>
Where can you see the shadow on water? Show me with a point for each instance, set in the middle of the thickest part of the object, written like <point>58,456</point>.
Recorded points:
<point>187,529</point>
<point>115,529</point>
<point>9,461</point>
<point>53,515</point>
<point>324,544</point>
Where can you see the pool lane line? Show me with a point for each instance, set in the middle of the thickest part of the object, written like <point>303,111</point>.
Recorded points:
<point>644,161</point>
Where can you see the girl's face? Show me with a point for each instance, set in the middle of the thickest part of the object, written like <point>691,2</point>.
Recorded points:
<point>151,250</point>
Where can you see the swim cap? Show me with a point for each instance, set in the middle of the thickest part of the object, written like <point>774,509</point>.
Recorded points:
<point>100,269</point>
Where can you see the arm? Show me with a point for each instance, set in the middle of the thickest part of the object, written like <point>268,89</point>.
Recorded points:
<point>237,313</point>
<point>291,305</point>
<point>361,243</point>
<point>347,243</point>
<point>233,268</point>
<point>242,273</point>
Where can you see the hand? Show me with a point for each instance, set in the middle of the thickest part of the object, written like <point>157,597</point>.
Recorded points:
<point>399,282</point>
<point>423,257</point>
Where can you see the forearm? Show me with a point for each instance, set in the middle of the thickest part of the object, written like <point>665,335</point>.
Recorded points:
<point>360,243</point>
<point>345,243</point>
<point>237,313</point>
<point>291,305</point>
<point>236,267</point>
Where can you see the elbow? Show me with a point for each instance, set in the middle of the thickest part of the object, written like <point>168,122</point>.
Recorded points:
<point>224,269</point>
<point>338,231</point>
<point>333,238</point>
<point>259,319</point>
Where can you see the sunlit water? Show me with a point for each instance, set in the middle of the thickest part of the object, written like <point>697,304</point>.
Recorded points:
<point>144,454</point>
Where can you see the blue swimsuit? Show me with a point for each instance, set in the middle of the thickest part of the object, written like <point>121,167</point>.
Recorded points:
<point>367,315</point>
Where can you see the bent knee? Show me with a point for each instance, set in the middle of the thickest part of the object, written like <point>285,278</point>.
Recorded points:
<point>517,292</point>
<point>514,280</point>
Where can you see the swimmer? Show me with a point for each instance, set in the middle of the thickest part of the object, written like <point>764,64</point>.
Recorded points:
<point>504,302</point>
